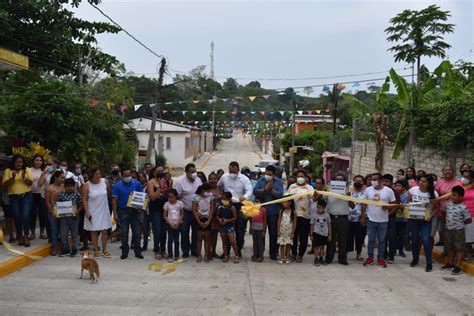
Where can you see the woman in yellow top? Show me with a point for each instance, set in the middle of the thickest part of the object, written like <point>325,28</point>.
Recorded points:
<point>17,180</point>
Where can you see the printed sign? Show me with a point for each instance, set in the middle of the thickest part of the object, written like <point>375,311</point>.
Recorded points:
<point>138,200</point>
<point>64,209</point>
<point>417,210</point>
<point>338,187</point>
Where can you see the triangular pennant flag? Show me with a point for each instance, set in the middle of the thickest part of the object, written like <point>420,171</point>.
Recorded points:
<point>195,122</point>
<point>281,93</point>
<point>223,112</point>
<point>123,107</point>
<point>252,112</point>
<point>318,111</point>
<point>271,113</point>
<point>168,103</point>
<point>225,100</point>
<point>194,112</point>
<point>182,102</point>
<point>233,113</point>
<point>282,113</point>
<point>184,112</point>
<point>300,112</point>
<point>266,97</point>
<point>137,106</point>
<point>262,112</point>
<point>356,84</point>
<point>326,89</point>
<point>243,112</point>
<point>211,101</point>
<point>94,103</point>
<point>327,110</point>
<point>195,101</point>
<point>110,105</point>
<point>164,111</point>
<point>309,112</point>
<point>252,98</point>
<point>152,105</point>
<point>238,98</point>
<point>340,86</point>
<point>182,122</point>
<point>204,112</point>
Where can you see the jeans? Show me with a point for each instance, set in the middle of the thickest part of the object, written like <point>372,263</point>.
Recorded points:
<point>21,208</point>
<point>146,228</point>
<point>53,230</point>
<point>69,224</point>
<point>301,235</point>
<point>186,245</point>
<point>339,230</point>
<point>376,231</point>
<point>130,217</point>
<point>258,243</point>
<point>240,227</point>
<point>390,239</point>
<point>173,238</point>
<point>272,223</point>
<point>159,231</point>
<point>38,209</point>
<point>400,235</point>
<point>356,234</point>
<point>417,228</point>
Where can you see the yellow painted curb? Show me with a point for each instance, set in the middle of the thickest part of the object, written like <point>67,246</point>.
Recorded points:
<point>257,152</point>
<point>18,262</point>
<point>467,267</point>
<point>208,158</point>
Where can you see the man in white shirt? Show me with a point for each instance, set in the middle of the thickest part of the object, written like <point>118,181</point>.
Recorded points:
<point>241,189</point>
<point>377,221</point>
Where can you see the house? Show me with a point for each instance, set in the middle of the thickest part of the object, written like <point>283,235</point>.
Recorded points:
<point>12,61</point>
<point>311,122</point>
<point>180,144</point>
<point>334,163</point>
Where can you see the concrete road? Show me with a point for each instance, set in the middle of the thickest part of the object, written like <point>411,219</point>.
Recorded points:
<point>126,286</point>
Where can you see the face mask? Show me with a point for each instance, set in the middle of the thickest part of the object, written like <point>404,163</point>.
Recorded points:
<point>50,169</point>
<point>233,175</point>
<point>225,202</point>
<point>63,168</point>
<point>374,183</point>
<point>357,185</point>
<point>464,181</point>
<point>268,178</point>
<point>207,194</point>
<point>78,171</point>
<point>300,180</point>
<point>115,172</point>
<point>194,175</point>
<point>127,179</point>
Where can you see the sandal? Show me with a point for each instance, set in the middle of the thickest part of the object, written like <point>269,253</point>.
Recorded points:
<point>225,259</point>
<point>199,259</point>
<point>236,260</point>
<point>105,254</point>
<point>96,254</point>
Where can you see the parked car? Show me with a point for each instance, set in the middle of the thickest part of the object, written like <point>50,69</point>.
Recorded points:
<point>260,167</point>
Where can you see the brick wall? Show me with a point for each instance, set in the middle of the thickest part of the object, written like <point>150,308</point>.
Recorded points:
<point>425,158</point>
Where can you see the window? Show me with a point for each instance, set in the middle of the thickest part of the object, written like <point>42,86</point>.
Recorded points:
<point>168,143</point>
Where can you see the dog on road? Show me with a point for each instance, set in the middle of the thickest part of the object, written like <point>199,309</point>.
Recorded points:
<point>91,265</point>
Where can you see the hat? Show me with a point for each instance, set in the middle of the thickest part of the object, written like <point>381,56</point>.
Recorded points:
<point>69,181</point>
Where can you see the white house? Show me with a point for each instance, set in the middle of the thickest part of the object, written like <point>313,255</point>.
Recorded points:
<point>181,144</point>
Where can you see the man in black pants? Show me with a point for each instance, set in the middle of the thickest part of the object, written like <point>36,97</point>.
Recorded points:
<point>391,239</point>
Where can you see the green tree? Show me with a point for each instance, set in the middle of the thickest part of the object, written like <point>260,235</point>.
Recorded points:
<point>419,33</point>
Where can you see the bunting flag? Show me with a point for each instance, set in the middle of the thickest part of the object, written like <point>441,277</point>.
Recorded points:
<point>318,111</point>
<point>152,105</point>
<point>194,112</point>
<point>184,112</point>
<point>309,112</point>
<point>225,100</point>
<point>233,113</point>
<point>223,112</point>
<point>282,113</point>
<point>94,103</point>
<point>356,84</point>
<point>252,98</point>
<point>281,93</point>
<point>238,98</point>
<point>165,111</point>
<point>266,97</point>
<point>326,89</point>
<point>300,112</point>
<point>123,107</point>
<point>262,112</point>
<point>168,103</point>
<point>252,112</point>
<point>340,86</point>
<point>204,112</point>
<point>327,110</point>
<point>110,105</point>
<point>271,112</point>
<point>211,101</point>
<point>182,102</point>
<point>243,112</point>
<point>195,101</point>
<point>137,106</point>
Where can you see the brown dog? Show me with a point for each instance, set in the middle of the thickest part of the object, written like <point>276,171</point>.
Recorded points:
<point>91,265</point>
<point>116,234</point>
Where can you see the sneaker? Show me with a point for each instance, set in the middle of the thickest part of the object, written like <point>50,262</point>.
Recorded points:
<point>288,261</point>
<point>447,267</point>
<point>105,254</point>
<point>381,262</point>
<point>368,262</point>
<point>414,263</point>
<point>456,271</point>
<point>429,267</point>
<point>73,252</point>
<point>281,261</point>
<point>359,257</point>
<point>402,254</point>
<point>322,261</point>
<point>391,260</point>
<point>64,252</point>
<point>316,262</point>
<point>178,260</point>
<point>171,260</point>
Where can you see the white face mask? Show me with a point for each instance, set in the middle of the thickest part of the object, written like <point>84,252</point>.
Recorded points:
<point>300,180</point>
<point>268,178</point>
<point>78,171</point>
<point>127,179</point>
<point>374,183</point>
<point>464,181</point>
<point>63,168</point>
<point>233,175</point>
<point>194,175</point>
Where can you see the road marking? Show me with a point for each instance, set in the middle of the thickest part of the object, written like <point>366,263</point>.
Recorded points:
<point>204,164</point>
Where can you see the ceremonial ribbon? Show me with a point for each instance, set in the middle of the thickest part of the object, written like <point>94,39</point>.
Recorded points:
<point>14,250</point>
<point>165,267</point>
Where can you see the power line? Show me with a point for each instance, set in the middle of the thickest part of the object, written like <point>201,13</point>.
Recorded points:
<point>126,32</point>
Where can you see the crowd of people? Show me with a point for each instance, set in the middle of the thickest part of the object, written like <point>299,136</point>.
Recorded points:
<point>185,217</point>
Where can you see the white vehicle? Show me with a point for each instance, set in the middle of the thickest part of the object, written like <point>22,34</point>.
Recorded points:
<point>260,167</point>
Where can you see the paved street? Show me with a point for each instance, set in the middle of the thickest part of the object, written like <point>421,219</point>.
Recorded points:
<point>126,286</point>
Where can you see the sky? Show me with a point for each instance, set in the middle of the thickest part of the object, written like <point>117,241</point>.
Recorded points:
<point>267,39</point>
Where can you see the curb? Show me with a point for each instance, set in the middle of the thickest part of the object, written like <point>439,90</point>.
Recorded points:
<point>466,267</point>
<point>204,164</point>
<point>18,262</point>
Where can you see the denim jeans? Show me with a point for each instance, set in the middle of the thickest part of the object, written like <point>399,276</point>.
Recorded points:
<point>130,217</point>
<point>376,231</point>
<point>301,235</point>
<point>159,231</point>
<point>356,234</point>
<point>272,223</point>
<point>390,239</point>
<point>21,208</point>
<point>420,228</point>
<point>39,210</point>
<point>69,224</point>
<point>173,239</point>
<point>53,230</point>
<point>146,228</point>
<point>186,245</point>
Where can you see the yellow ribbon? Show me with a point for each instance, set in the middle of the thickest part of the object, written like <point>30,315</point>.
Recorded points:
<point>14,250</point>
<point>165,267</point>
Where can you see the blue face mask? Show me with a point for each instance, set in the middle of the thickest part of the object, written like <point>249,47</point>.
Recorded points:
<point>50,169</point>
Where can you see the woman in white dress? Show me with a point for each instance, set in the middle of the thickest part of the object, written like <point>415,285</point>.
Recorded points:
<point>97,212</point>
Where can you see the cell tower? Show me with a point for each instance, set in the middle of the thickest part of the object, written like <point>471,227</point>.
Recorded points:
<point>212,60</point>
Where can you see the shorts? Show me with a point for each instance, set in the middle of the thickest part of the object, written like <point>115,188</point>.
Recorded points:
<point>227,229</point>
<point>199,228</point>
<point>319,240</point>
<point>455,240</point>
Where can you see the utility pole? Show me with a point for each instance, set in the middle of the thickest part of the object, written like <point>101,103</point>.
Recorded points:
<point>159,99</point>
<point>353,140</point>
<point>334,94</point>
<point>293,135</point>
<point>214,103</point>
<point>212,60</point>
<point>82,64</point>
<point>411,136</point>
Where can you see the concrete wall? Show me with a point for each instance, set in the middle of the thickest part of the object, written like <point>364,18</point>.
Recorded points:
<point>425,158</point>
<point>175,155</point>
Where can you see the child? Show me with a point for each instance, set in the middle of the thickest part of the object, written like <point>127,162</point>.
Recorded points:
<point>321,228</point>
<point>203,209</point>
<point>173,214</point>
<point>227,214</point>
<point>259,225</point>
<point>401,186</point>
<point>69,222</point>
<point>286,230</point>
<point>457,215</point>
